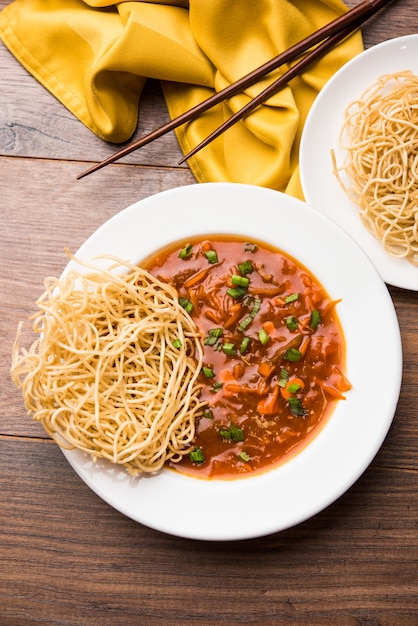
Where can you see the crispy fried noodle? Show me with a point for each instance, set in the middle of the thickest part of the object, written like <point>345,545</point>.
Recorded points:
<point>380,137</point>
<point>113,371</point>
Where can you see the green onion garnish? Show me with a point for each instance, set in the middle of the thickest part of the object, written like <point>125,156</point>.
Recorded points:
<point>292,354</point>
<point>284,377</point>
<point>244,456</point>
<point>291,322</point>
<point>244,345</point>
<point>245,323</point>
<point>177,343</point>
<point>213,336</point>
<point>216,386</point>
<point>208,414</point>
<point>246,267</point>
<point>197,456</point>
<point>263,336</point>
<point>256,307</point>
<point>186,304</point>
<point>237,292</point>
<point>247,320</point>
<point>249,247</point>
<point>186,252</point>
<point>229,348</point>
<point>294,388</point>
<point>315,319</point>
<point>208,372</point>
<point>233,433</point>
<point>211,256</point>
<point>296,407</point>
<point>291,298</point>
<point>241,281</point>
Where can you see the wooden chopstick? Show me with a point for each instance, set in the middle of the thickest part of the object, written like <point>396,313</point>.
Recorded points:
<point>335,31</point>
<point>283,80</point>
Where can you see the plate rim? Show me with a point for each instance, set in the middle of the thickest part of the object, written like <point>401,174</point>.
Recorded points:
<point>395,272</point>
<point>218,191</point>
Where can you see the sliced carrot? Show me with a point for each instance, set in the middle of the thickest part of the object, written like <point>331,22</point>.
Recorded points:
<point>336,384</point>
<point>332,391</point>
<point>268,327</point>
<point>330,305</point>
<point>194,299</point>
<point>265,368</point>
<point>265,291</point>
<point>235,313</point>
<point>238,370</point>
<point>231,389</point>
<point>269,405</point>
<point>213,317</point>
<point>198,277</point>
<point>279,301</point>
<point>305,345</point>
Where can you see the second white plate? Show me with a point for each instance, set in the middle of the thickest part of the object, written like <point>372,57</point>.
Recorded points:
<point>321,135</point>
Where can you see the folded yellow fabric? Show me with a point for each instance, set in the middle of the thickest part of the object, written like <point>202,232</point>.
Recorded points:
<point>96,55</point>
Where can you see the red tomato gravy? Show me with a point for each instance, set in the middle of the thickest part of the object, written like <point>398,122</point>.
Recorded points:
<point>274,352</point>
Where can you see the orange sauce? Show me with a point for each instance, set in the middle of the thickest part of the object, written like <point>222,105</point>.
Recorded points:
<point>274,352</point>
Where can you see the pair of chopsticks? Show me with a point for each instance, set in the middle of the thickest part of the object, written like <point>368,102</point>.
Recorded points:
<point>318,44</point>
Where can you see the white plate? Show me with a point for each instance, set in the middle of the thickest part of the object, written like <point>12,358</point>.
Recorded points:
<point>321,134</point>
<point>283,497</point>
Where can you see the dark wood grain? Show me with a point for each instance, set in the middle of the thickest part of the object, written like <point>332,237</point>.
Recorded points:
<point>347,564</point>
<point>66,557</point>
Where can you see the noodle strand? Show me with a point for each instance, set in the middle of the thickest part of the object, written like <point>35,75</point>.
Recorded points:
<point>113,371</point>
<point>380,137</point>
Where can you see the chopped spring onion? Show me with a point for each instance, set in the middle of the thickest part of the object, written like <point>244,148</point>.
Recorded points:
<point>211,256</point>
<point>291,298</point>
<point>186,252</point>
<point>186,304</point>
<point>208,414</point>
<point>246,267</point>
<point>244,345</point>
<point>244,456</point>
<point>294,387</point>
<point>284,377</point>
<point>263,336</point>
<point>208,372</point>
<point>177,343</point>
<point>245,323</point>
<point>216,386</point>
<point>256,307</point>
<point>296,407</point>
<point>291,322</point>
<point>213,336</point>
<point>292,354</point>
<point>237,292</point>
<point>229,348</point>
<point>241,281</point>
<point>315,319</point>
<point>197,456</point>
<point>233,433</point>
<point>247,320</point>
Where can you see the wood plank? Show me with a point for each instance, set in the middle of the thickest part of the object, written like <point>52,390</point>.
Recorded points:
<point>48,130</point>
<point>354,563</point>
<point>53,211</point>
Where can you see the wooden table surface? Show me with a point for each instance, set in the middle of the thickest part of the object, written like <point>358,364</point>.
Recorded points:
<point>66,557</point>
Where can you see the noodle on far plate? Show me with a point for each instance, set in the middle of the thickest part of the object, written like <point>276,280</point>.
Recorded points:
<point>380,137</point>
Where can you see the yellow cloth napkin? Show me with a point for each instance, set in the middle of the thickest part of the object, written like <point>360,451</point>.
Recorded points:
<point>96,55</point>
